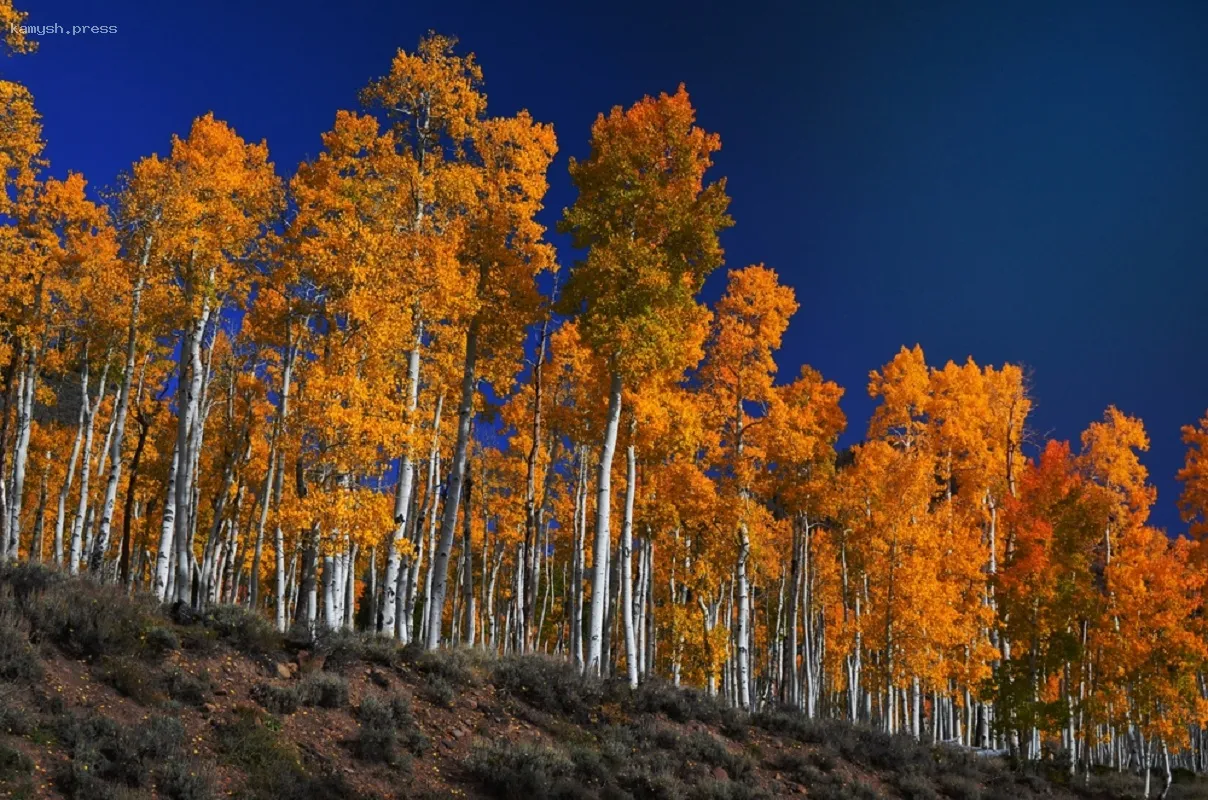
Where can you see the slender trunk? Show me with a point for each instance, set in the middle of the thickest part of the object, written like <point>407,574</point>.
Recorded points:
<point>430,526</point>
<point>599,577</point>
<point>78,523</point>
<point>163,558</point>
<point>448,524</point>
<point>631,476</point>
<point>188,399</point>
<point>128,513</point>
<point>261,523</point>
<point>532,523</point>
<point>25,413</point>
<point>468,572</point>
<point>119,425</point>
<point>402,497</point>
<point>37,546</point>
<point>744,618</point>
<point>7,400</point>
<point>422,522</point>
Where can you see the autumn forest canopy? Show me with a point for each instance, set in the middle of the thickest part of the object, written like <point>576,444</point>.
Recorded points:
<point>371,395</point>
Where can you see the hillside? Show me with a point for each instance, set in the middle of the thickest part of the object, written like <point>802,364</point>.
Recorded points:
<point>102,696</point>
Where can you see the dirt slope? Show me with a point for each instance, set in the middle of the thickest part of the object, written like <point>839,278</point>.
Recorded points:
<point>102,696</point>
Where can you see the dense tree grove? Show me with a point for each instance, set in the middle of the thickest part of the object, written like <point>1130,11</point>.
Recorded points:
<point>368,397</point>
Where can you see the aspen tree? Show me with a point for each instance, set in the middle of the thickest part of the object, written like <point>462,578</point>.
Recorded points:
<point>650,225</point>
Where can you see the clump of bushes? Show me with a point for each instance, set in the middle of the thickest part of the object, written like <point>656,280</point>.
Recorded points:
<point>324,689</point>
<point>274,769</point>
<point>246,630</point>
<point>524,771</point>
<point>549,685</point>
<point>14,718</point>
<point>26,579</point>
<point>18,659</point>
<point>439,692</point>
<point>276,699</point>
<point>381,651</point>
<point>684,704</point>
<point>88,621</point>
<point>130,678</point>
<point>192,690</point>
<point>458,666</point>
<point>159,641</point>
<point>13,764</point>
<point>342,648</point>
<point>185,780</point>
<point>385,724</point>
<point>106,758</point>
<point>704,748</point>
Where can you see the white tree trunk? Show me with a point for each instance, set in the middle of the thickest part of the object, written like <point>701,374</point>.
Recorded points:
<point>77,524</point>
<point>119,426</point>
<point>188,398</point>
<point>457,471</point>
<point>25,414</point>
<point>599,557</point>
<point>402,497</point>
<point>163,558</point>
<point>631,649</point>
<point>744,619</point>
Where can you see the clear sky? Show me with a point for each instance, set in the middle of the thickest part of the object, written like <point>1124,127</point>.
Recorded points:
<point>1022,182</point>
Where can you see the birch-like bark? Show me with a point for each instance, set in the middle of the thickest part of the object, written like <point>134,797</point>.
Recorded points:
<point>430,525</point>
<point>402,496</point>
<point>102,466</point>
<point>577,572</point>
<point>457,470</point>
<point>791,692</point>
<point>279,595</point>
<point>119,424</point>
<point>744,618</point>
<point>599,564</point>
<point>273,487</point>
<point>8,399</point>
<point>25,416</point>
<point>631,648</point>
<point>77,524</point>
<point>422,526</point>
<point>163,558</point>
<point>188,397</point>
<point>532,512</point>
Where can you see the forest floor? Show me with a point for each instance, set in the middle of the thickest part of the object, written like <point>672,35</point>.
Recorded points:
<point>102,696</point>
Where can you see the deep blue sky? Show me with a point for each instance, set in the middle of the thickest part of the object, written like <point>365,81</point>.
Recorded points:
<point>1015,182</point>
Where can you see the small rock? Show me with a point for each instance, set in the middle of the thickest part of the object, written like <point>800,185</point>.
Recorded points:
<point>220,692</point>
<point>208,708</point>
<point>283,671</point>
<point>472,704</point>
<point>447,743</point>
<point>720,774</point>
<point>458,733</point>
